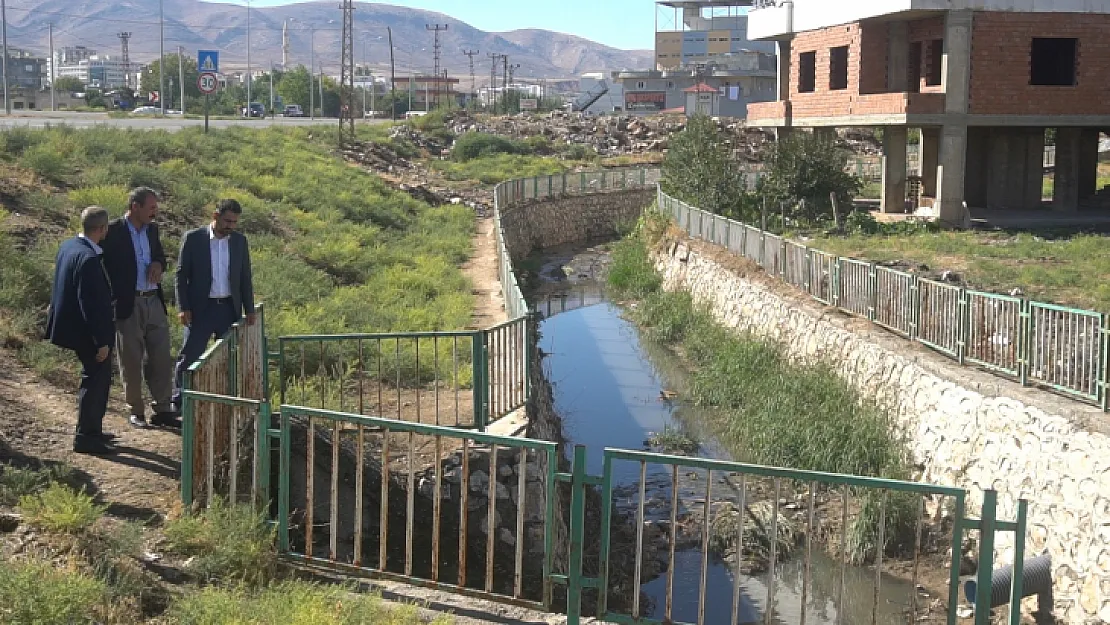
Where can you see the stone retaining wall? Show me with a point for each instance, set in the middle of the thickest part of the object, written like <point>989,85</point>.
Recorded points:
<point>966,428</point>
<point>571,219</point>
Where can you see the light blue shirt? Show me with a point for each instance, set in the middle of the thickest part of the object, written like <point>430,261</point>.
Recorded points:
<point>141,242</point>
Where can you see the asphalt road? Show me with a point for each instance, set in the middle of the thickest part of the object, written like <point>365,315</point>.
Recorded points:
<point>37,119</point>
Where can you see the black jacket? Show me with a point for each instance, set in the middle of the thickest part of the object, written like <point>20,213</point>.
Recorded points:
<point>119,260</point>
<point>194,273</point>
<point>81,306</point>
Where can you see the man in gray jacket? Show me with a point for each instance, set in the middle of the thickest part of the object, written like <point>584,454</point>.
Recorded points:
<point>214,285</point>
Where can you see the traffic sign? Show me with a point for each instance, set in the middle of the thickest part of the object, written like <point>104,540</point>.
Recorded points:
<point>208,61</point>
<point>207,83</point>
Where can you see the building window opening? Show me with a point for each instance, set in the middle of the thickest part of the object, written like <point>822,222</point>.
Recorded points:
<point>838,68</point>
<point>807,72</point>
<point>913,79</point>
<point>934,63</point>
<point>1053,61</point>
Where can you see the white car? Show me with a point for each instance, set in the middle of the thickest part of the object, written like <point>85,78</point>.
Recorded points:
<point>146,110</point>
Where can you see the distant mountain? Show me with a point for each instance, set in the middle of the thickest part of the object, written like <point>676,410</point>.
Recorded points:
<point>194,25</point>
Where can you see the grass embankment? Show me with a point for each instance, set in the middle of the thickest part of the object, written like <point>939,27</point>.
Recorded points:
<point>1070,270</point>
<point>771,410</point>
<point>81,566</point>
<point>334,250</point>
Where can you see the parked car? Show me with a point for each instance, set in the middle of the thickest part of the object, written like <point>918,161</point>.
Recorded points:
<point>146,110</point>
<point>292,110</point>
<point>254,109</point>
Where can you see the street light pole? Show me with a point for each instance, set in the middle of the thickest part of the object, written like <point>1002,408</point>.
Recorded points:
<point>161,57</point>
<point>181,76</point>
<point>4,19</point>
<point>311,72</point>
<point>53,70</point>
<point>249,75</point>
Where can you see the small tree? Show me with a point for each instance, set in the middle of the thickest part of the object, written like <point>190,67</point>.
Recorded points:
<point>804,171</point>
<point>700,171</point>
<point>70,84</point>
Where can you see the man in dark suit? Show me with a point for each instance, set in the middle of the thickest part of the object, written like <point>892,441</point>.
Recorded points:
<point>135,260</point>
<point>80,319</point>
<point>214,285</point>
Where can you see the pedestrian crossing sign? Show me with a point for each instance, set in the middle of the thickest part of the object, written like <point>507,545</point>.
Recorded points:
<point>208,60</point>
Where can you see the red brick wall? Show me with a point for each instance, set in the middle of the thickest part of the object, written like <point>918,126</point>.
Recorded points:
<point>1000,64</point>
<point>867,46</point>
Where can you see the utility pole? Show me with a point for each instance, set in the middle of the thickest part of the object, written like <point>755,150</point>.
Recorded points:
<point>53,70</point>
<point>4,19</point>
<point>181,76</point>
<point>435,54</point>
<point>250,77</point>
<point>125,56</point>
<point>311,73</point>
<point>271,87</point>
<point>470,54</point>
<point>347,76</point>
<point>392,78</point>
<point>161,57</point>
<point>320,86</point>
<point>505,83</point>
<point>491,100</point>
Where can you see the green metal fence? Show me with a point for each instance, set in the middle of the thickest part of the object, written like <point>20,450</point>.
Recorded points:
<point>698,496</point>
<point>1053,347</point>
<point>436,506</point>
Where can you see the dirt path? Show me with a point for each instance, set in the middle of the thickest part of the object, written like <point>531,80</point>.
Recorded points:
<point>36,425</point>
<point>482,271</point>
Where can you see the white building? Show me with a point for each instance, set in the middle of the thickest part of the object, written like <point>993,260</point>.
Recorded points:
<point>96,71</point>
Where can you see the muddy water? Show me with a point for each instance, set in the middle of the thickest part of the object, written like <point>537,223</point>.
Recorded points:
<point>608,382</point>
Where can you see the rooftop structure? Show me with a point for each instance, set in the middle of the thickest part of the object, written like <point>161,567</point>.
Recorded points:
<point>982,79</point>
<point>690,32</point>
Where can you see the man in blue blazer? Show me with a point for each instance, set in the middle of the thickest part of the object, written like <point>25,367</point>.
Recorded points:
<point>214,285</point>
<point>81,319</point>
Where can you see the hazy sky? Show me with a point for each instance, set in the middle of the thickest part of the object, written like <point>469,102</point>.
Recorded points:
<point>628,24</point>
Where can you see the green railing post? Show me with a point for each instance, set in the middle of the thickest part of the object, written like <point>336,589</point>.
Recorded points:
<point>536,188</point>
<point>281,371</point>
<point>606,544</point>
<point>1025,343</point>
<point>188,442</point>
<point>480,380</point>
<point>873,291</point>
<point>262,442</point>
<point>604,180</point>
<point>577,535</point>
<point>550,185</point>
<point>915,307</point>
<point>956,557</point>
<point>285,465</point>
<point>261,321</point>
<point>564,183</point>
<point>963,326</point>
<point>232,339</point>
<point>1104,379</point>
<point>1016,582</point>
<point>582,182</point>
<point>987,528</point>
<point>834,284</point>
<point>643,177</point>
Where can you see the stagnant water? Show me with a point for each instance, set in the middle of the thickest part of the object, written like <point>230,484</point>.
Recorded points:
<point>607,381</point>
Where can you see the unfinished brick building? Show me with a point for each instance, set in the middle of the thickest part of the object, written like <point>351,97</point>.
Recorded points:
<point>982,79</point>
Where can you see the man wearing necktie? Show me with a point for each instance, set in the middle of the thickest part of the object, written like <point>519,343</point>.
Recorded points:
<point>214,285</point>
<point>81,319</point>
<point>135,260</point>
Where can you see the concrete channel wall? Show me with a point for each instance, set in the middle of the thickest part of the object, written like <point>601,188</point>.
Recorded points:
<point>966,428</point>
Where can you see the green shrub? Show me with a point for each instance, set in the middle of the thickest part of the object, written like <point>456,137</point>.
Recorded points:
<point>35,593</point>
<point>15,140</point>
<point>631,273</point>
<point>61,509</point>
<point>111,197</point>
<point>292,603</point>
<point>51,165</point>
<point>230,543</point>
<point>16,482</point>
<point>474,145</point>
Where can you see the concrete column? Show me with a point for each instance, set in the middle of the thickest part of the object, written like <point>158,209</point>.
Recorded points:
<point>898,57</point>
<point>784,64</point>
<point>950,176</point>
<point>975,167</point>
<point>1088,163</point>
<point>894,169</point>
<point>929,159</point>
<point>1065,188</point>
<point>1033,191</point>
<point>956,74</point>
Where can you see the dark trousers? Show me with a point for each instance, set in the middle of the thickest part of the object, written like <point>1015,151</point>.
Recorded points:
<point>92,397</point>
<point>217,319</point>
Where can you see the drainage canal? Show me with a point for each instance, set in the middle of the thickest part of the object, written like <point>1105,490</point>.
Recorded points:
<point>614,388</point>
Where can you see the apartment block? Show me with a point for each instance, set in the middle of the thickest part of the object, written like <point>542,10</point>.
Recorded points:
<point>983,80</point>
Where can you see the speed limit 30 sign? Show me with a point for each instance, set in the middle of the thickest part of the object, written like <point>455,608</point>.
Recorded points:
<point>207,83</point>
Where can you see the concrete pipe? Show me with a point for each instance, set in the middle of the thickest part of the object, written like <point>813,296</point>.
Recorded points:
<point>1036,580</point>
